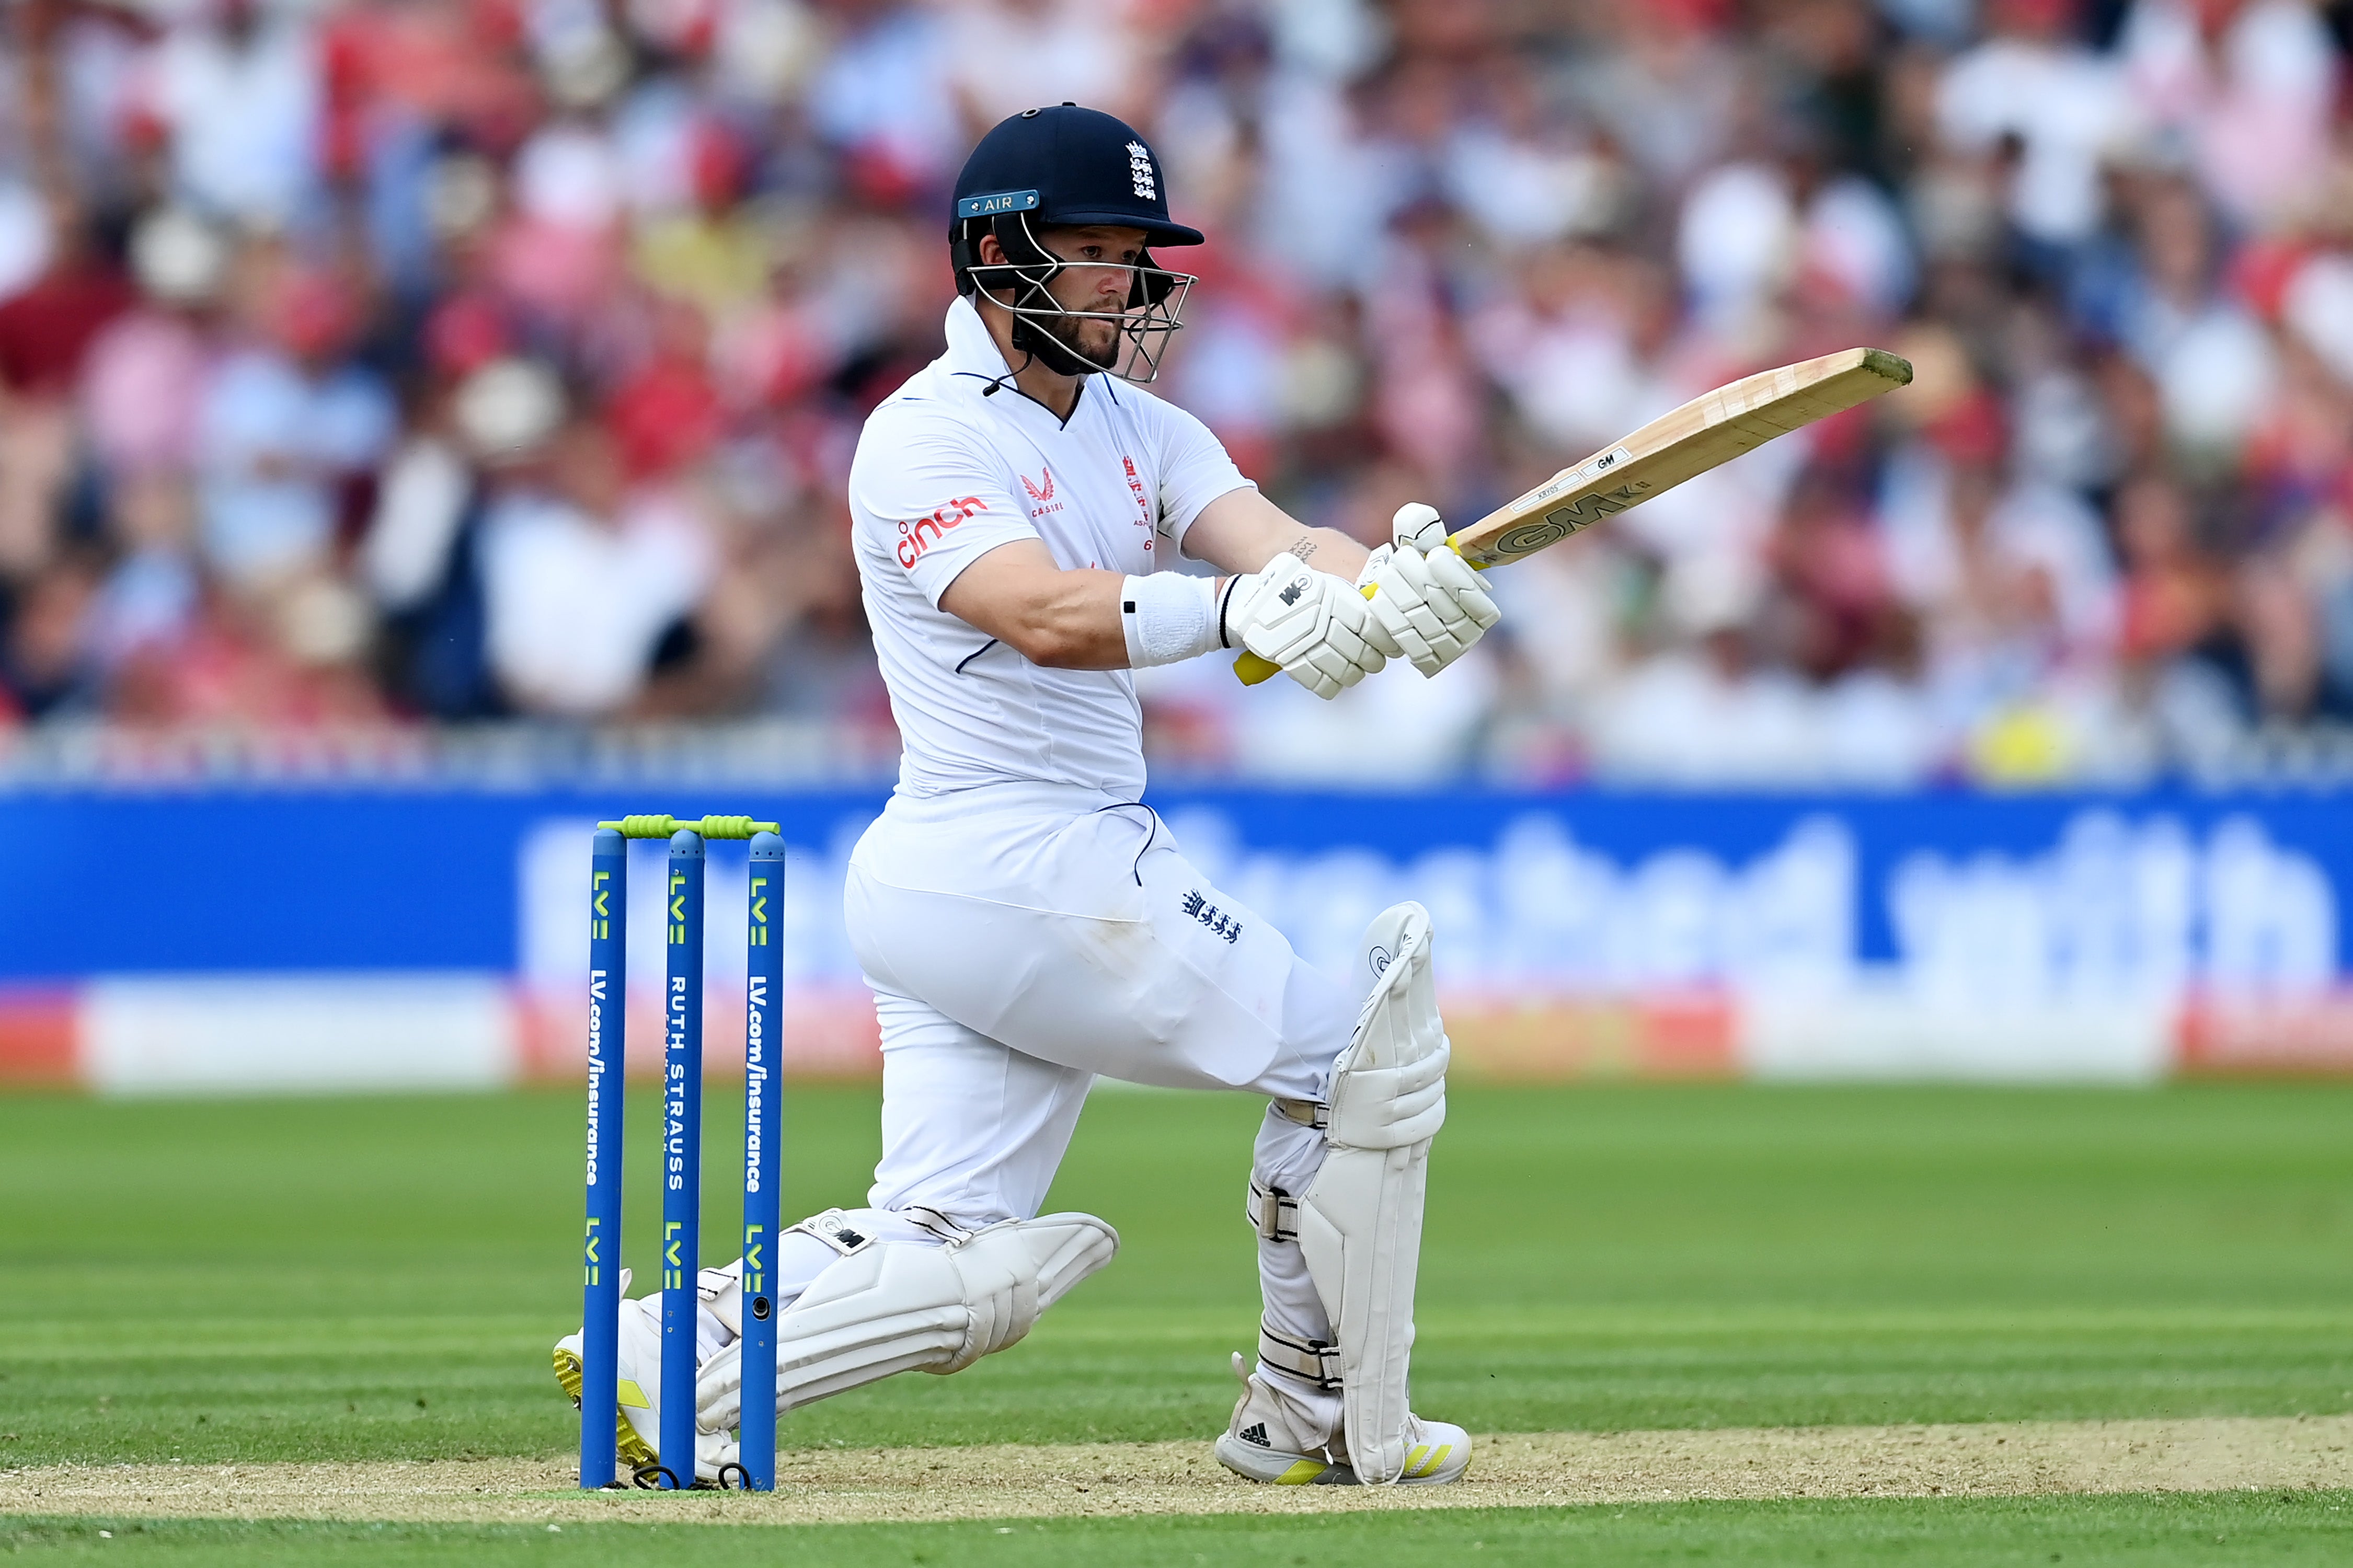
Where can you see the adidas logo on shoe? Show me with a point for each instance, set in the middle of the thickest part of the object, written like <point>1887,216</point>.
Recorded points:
<point>1256,1435</point>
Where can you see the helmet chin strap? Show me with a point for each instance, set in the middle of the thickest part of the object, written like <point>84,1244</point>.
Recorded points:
<point>1038,346</point>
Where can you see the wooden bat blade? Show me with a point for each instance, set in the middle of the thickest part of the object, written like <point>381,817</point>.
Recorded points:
<point>1705,432</point>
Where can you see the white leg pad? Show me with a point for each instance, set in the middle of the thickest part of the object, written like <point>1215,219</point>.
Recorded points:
<point>1360,1221</point>
<point>896,1306</point>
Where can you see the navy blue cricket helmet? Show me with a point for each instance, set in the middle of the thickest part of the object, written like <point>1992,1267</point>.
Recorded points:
<point>1065,166</point>
<point>1069,165</point>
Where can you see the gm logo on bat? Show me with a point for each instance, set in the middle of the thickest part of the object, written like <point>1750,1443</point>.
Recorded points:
<point>1564,520</point>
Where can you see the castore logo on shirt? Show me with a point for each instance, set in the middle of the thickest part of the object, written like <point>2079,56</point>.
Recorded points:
<point>1044,496</point>
<point>912,541</point>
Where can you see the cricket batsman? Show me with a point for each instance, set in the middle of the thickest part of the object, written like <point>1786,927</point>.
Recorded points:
<point>1028,924</point>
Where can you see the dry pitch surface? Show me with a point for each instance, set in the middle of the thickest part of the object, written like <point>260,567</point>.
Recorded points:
<point>860,1485</point>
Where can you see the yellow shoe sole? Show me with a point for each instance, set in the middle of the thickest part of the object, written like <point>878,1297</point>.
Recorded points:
<point>633,1450</point>
<point>1256,1464</point>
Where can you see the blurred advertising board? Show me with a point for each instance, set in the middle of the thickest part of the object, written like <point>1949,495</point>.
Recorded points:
<point>185,941</point>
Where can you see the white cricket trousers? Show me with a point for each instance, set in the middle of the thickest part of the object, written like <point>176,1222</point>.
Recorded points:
<point>1023,940</point>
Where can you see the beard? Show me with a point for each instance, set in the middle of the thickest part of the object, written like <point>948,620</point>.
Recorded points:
<point>1066,332</point>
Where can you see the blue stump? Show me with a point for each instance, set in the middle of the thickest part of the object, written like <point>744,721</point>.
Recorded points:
<point>600,1301</point>
<point>682,1234</point>
<point>763,1132</point>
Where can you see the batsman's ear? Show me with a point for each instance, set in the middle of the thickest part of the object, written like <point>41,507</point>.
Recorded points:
<point>1417,524</point>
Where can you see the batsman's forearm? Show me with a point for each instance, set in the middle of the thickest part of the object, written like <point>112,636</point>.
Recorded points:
<point>1056,618</point>
<point>1241,530</point>
<point>1071,622</point>
<point>1329,550</point>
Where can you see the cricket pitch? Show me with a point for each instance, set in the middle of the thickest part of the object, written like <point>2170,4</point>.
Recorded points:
<point>1014,1482</point>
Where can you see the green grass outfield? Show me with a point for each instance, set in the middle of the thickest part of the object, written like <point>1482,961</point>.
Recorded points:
<point>382,1278</point>
<point>2278,1530</point>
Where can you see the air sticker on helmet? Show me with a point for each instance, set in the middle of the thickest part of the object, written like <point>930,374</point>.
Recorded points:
<point>994,203</point>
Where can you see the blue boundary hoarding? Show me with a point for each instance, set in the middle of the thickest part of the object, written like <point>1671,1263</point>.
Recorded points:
<point>361,880</point>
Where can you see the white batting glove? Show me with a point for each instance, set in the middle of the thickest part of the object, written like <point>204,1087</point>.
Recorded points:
<point>1312,623</point>
<point>1428,605</point>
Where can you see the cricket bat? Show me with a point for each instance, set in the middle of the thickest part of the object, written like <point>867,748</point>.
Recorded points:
<point>1712,428</point>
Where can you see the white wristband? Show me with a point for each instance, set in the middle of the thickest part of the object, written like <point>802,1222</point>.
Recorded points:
<point>1167,617</point>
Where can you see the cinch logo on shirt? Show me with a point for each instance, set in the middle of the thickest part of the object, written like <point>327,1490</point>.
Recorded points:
<point>912,540</point>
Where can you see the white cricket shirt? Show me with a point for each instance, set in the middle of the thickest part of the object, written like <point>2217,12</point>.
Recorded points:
<point>943,476</point>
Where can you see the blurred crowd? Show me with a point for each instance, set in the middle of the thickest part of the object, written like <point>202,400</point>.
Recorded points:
<point>393,362</point>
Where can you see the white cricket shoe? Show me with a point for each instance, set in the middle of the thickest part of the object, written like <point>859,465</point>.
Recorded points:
<point>1275,1439</point>
<point>1436,1452</point>
<point>637,1421</point>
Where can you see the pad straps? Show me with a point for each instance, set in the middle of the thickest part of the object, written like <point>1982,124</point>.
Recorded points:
<point>1311,1361</point>
<point>1273,1213</point>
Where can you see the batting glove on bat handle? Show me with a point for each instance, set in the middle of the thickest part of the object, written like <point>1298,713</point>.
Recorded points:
<point>1252,670</point>
<point>1309,623</point>
<point>1429,605</point>
<point>1416,525</point>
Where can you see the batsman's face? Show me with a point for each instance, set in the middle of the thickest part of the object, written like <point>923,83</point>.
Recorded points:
<point>1105,288</point>
<point>1097,280</point>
